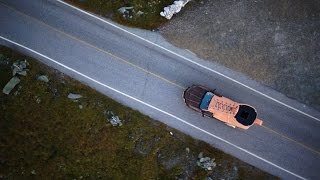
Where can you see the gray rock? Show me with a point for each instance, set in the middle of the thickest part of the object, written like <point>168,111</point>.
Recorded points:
<point>38,99</point>
<point>20,67</point>
<point>17,71</point>
<point>204,159</point>
<point>169,11</point>
<point>139,13</point>
<point>122,10</point>
<point>205,162</point>
<point>43,78</point>
<point>74,96</point>
<point>235,168</point>
<point>113,119</point>
<point>33,172</point>
<point>10,85</point>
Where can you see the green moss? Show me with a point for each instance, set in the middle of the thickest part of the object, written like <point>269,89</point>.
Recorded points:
<point>57,139</point>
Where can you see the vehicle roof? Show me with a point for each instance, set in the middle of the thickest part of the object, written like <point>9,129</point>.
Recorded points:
<point>224,106</point>
<point>232,112</point>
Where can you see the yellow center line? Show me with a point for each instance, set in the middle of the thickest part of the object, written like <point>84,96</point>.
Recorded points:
<point>101,50</point>
<point>144,70</point>
<point>292,140</point>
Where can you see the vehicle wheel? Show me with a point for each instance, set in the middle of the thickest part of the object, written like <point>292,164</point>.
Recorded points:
<point>195,109</point>
<point>208,114</point>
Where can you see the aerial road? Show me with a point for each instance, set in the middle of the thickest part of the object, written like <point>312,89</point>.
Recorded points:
<point>141,70</point>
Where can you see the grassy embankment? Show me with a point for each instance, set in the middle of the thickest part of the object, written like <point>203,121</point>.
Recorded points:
<point>150,19</point>
<point>45,134</point>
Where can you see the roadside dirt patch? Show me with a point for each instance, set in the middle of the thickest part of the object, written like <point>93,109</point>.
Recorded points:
<point>275,42</point>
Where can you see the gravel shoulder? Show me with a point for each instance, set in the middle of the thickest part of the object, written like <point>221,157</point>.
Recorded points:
<point>274,42</point>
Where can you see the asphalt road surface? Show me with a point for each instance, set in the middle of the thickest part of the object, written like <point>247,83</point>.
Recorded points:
<point>140,69</point>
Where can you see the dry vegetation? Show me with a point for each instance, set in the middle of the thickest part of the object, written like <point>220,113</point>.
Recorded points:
<point>55,138</point>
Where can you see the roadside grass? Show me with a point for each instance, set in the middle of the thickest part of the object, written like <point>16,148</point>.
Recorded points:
<point>55,138</point>
<point>150,19</point>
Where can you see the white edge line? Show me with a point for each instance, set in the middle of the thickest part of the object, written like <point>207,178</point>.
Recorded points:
<point>153,107</point>
<point>189,60</point>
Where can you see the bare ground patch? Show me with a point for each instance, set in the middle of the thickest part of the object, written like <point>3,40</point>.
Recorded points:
<point>274,42</point>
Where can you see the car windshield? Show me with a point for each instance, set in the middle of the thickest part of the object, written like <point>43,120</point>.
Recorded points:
<point>206,100</point>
